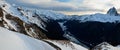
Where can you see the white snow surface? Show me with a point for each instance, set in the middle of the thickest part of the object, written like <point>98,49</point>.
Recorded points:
<point>29,12</point>
<point>67,46</point>
<point>15,41</point>
<point>106,46</point>
<point>48,13</point>
<point>26,14</point>
<point>110,48</point>
<point>100,17</point>
<point>11,10</point>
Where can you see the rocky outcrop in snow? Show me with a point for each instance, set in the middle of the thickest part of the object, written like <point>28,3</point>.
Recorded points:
<point>15,41</point>
<point>105,46</point>
<point>89,30</point>
<point>10,18</point>
<point>112,11</point>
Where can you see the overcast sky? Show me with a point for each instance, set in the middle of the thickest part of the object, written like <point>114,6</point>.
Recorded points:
<point>73,7</point>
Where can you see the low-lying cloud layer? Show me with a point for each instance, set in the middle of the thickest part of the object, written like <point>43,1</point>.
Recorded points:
<point>69,6</point>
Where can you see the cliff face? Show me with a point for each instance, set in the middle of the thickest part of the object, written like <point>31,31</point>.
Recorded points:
<point>86,30</point>
<point>105,46</point>
<point>39,24</point>
<point>113,11</point>
<point>14,23</point>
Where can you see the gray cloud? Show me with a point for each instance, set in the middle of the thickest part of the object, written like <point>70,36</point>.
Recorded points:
<point>71,6</point>
<point>52,6</point>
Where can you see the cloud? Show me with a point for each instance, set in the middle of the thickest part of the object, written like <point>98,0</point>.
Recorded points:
<point>101,4</point>
<point>69,5</point>
<point>57,5</point>
<point>63,0</point>
<point>44,4</point>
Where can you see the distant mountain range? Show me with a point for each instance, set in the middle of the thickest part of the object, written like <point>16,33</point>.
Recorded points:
<point>85,30</point>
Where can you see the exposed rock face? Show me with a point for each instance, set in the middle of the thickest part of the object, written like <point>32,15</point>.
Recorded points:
<point>104,46</point>
<point>30,22</point>
<point>89,30</point>
<point>113,12</point>
<point>54,30</point>
<point>1,15</point>
<point>15,24</point>
<point>93,33</point>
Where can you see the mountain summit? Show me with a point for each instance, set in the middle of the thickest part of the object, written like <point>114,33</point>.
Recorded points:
<point>47,26</point>
<point>112,11</point>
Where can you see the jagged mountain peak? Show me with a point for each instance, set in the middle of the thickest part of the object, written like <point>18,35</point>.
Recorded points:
<point>112,11</point>
<point>38,23</point>
<point>105,46</point>
<point>32,22</point>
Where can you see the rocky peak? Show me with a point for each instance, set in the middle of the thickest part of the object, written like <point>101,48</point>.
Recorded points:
<point>104,46</point>
<point>14,23</point>
<point>112,11</point>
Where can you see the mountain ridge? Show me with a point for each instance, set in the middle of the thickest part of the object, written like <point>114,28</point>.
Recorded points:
<point>44,24</point>
<point>112,11</point>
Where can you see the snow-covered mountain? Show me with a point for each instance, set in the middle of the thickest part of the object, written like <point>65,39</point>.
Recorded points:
<point>31,22</point>
<point>86,30</point>
<point>113,12</point>
<point>17,41</point>
<point>112,16</point>
<point>105,46</point>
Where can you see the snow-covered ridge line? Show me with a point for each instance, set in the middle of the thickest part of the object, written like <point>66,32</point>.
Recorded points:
<point>16,41</point>
<point>27,13</point>
<point>14,19</point>
<point>100,18</point>
<point>67,45</point>
<point>112,16</point>
<point>11,10</point>
<point>30,15</point>
<point>48,13</point>
<point>105,46</point>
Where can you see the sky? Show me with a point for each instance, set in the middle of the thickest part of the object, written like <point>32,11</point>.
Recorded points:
<point>70,7</point>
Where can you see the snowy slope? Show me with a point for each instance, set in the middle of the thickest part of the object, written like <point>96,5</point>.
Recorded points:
<point>66,45</point>
<point>28,13</point>
<point>39,17</point>
<point>15,20</point>
<point>32,17</point>
<point>11,10</point>
<point>48,13</point>
<point>112,16</point>
<point>113,12</point>
<point>105,46</point>
<point>15,41</point>
<point>100,18</point>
